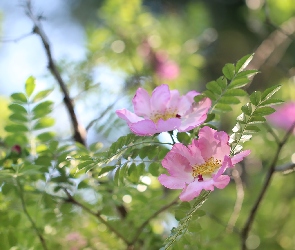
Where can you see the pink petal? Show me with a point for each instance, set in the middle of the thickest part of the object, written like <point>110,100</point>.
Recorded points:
<point>148,127</point>
<point>196,116</point>
<point>160,98</point>
<point>213,143</point>
<point>169,125</point>
<point>193,155</point>
<point>177,165</point>
<point>141,103</point>
<point>194,189</point>
<point>240,156</point>
<point>284,117</point>
<point>128,116</point>
<point>144,128</point>
<point>186,102</point>
<point>173,103</point>
<point>222,181</point>
<point>172,182</point>
<point>227,163</point>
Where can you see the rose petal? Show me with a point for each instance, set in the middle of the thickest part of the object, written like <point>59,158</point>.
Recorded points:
<point>144,128</point>
<point>193,155</point>
<point>141,103</point>
<point>160,98</point>
<point>227,163</point>
<point>177,165</point>
<point>128,116</point>
<point>240,156</point>
<point>169,125</point>
<point>172,182</point>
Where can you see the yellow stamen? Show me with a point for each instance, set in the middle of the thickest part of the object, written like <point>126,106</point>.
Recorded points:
<point>207,168</point>
<point>169,114</point>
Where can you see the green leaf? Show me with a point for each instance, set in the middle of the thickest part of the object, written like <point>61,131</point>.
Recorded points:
<point>270,92</point>
<point>222,82</point>
<point>214,87</point>
<point>42,109</point>
<point>243,62</point>
<point>182,210</point>
<point>30,86</point>
<point>251,129</point>
<point>255,97</point>
<point>183,138</point>
<point>209,94</point>
<point>46,136</point>
<point>264,111</point>
<point>229,100</point>
<point>198,98</point>
<point>19,97</point>
<point>210,117</point>
<point>229,71</point>
<point>223,107</point>
<point>16,128</point>
<point>116,176</point>
<point>41,95</point>
<point>241,118</point>
<point>17,117</point>
<point>238,83</point>
<point>44,122</point>
<point>247,73</point>
<point>270,102</point>
<point>194,227</point>
<point>16,108</point>
<point>247,109</point>
<point>153,169</point>
<point>235,92</point>
<point>256,119</point>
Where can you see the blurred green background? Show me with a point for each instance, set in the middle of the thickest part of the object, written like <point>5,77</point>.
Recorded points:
<point>146,43</point>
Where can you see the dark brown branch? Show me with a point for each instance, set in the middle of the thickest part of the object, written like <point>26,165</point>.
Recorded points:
<point>143,225</point>
<point>79,133</point>
<point>97,215</point>
<point>246,229</point>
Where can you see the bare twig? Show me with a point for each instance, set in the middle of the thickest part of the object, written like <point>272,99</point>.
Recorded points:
<point>239,201</point>
<point>108,108</point>
<point>97,215</point>
<point>39,234</point>
<point>143,225</point>
<point>246,229</point>
<point>79,132</point>
<point>15,40</point>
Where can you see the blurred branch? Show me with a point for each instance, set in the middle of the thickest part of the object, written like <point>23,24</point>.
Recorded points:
<point>108,108</point>
<point>272,169</point>
<point>143,225</point>
<point>15,40</point>
<point>239,201</point>
<point>286,168</point>
<point>40,236</point>
<point>79,132</point>
<point>97,215</point>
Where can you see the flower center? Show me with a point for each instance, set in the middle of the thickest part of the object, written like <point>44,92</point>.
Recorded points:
<point>156,117</point>
<point>207,168</point>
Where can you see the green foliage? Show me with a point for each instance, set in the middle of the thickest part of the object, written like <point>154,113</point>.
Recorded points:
<point>187,216</point>
<point>226,90</point>
<point>253,114</point>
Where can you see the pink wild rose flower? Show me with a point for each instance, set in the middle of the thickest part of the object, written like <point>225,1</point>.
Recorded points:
<point>284,117</point>
<point>164,110</point>
<point>200,165</point>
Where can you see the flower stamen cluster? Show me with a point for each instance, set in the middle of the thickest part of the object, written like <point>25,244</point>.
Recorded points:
<point>207,168</point>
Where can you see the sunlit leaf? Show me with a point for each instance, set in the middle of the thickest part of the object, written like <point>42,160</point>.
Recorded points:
<point>19,97</point>
<point>30,86</point>
<point>229,71</point>
<point>44,122</point>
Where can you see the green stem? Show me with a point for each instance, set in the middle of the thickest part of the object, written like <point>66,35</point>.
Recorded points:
<point>40,236</point>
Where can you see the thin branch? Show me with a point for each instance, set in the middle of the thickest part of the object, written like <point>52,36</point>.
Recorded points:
<point>108,108</point>
<point>79,133</point>
<point>97,215</point>
<point>239,201</point>
<point>15,40</point>
<point>246,229</point>
<point>155,214</point>
<point>40,236</point>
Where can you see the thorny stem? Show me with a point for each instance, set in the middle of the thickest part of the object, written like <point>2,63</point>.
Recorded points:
<point>40,236</point>
<point>246,229</point>
<point>97,215</point>
<point>79,133</point>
